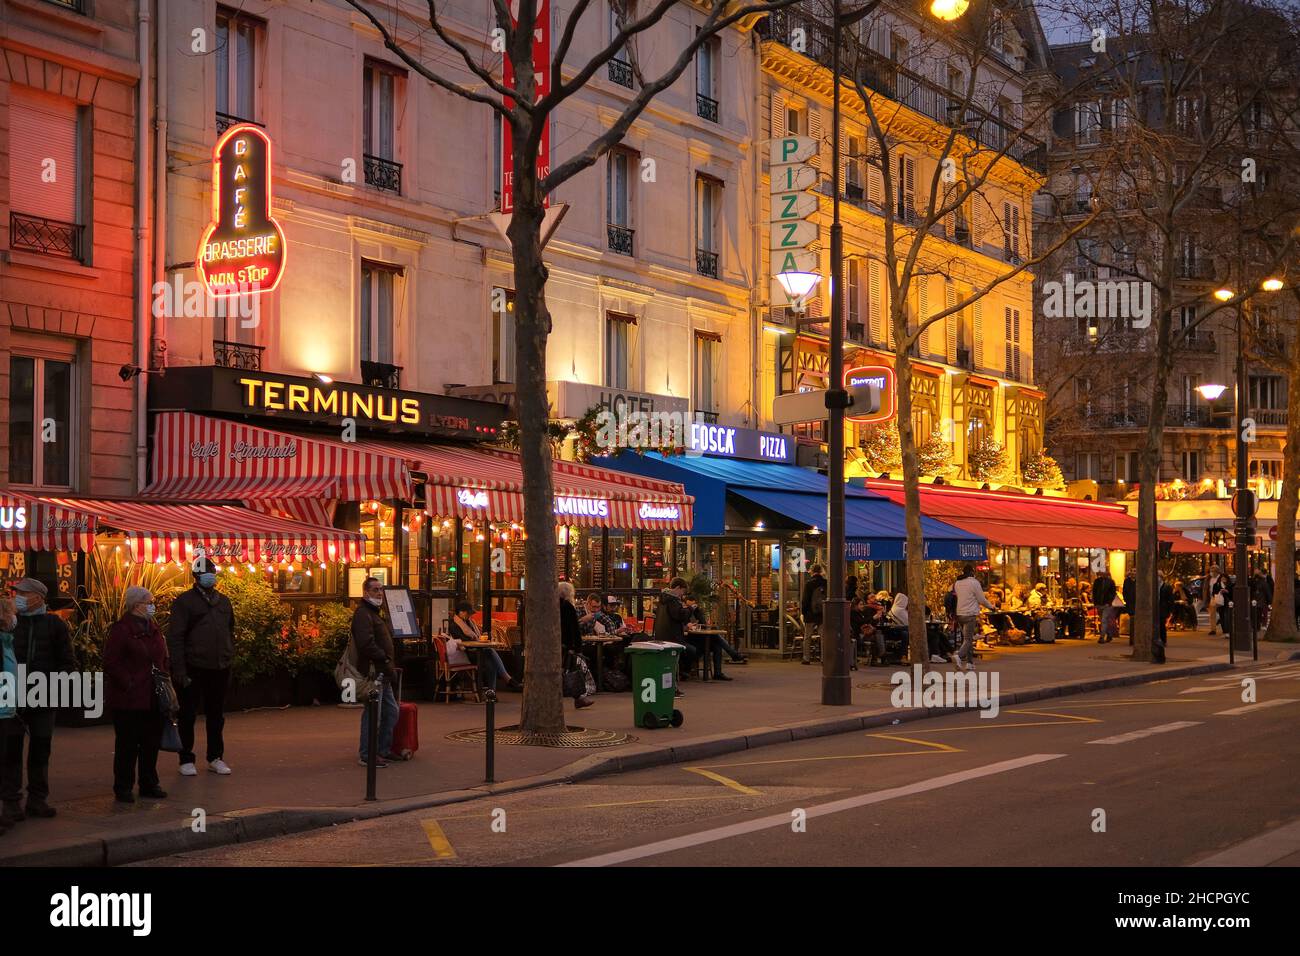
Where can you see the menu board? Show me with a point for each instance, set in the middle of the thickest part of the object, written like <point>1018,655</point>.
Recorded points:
<point>401,612</point>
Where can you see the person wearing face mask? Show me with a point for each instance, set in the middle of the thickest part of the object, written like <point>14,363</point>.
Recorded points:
<point>201,644</point>
<point>135,646</point>
<point>372,643</point>
<point>43,645</point>
<point>8,673</point>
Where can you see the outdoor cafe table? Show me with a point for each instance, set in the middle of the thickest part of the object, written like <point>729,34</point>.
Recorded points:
<point>600,642</point>
<point>708,633</point>
<point>480,645</point>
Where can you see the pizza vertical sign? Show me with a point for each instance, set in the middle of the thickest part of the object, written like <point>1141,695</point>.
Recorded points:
<point>793,207</point>
<point>542,82</point>
<point>242,250</point>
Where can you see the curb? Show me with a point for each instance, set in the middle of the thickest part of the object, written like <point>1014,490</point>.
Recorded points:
<point>243,826</point>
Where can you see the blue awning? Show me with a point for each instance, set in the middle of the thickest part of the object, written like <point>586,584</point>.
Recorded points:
<point>874,525</point>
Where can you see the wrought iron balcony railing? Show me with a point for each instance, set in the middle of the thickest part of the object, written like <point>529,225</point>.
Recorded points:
<point>620,72</point>
<point>247,358</point>
<point>381,374</point>
<point>227,120</point>
<point>706,263</point>
<point>706,107</point>
<point>49,237</point>
<point>76,6</point>
<point>619,239</point>
<point>1196,342</point>
<point>1115,340</point>
<point>383,173</point>
<point>708,417</point>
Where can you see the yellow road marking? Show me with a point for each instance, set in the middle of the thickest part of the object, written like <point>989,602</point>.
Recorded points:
<point>442,848</point>
<point>991,725</point>
<point>1125,703</point>
<point>725,781</point>
<point>922,743</point>
<point>586,806</point>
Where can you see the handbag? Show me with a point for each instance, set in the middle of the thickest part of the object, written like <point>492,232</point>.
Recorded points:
<point>1217,600</point>
<point>170,742</point>
<point>1117,601</point>
<point>578,681</point>
<point>165,692</point>
<point>345,671</point>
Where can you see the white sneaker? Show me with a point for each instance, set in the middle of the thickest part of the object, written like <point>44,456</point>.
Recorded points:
<point>219,766</point>
<point>956,661</point>
<point>189,770</point>
<point>936,659</point>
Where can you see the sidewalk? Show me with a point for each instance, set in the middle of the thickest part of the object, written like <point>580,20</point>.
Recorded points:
<point>296,768</point>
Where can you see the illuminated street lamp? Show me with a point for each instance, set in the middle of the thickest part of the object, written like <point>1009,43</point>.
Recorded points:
<point>1211,393</point>
<point>798,285</point>
<point>948,10</point>
<point>1271,285</point>
<point>1223,295</point>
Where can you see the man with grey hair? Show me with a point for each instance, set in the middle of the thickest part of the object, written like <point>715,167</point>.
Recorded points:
<point>42,645</point>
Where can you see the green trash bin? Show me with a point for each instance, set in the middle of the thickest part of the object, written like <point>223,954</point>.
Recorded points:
<point>654,683</point>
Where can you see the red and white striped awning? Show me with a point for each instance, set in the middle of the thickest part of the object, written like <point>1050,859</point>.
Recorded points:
<point>488,484</point>
<point>227,534</point>
<point>210,459</point>
<point>29,523</point>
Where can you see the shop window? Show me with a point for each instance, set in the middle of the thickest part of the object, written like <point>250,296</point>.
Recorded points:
<point>379,282</point>
<point>622,562</point>
<point>377,524</point>
<point>618,352</point>
<point>441,562</point>
<point>41,434</point>
<point>239,37</point>
<point>977,433</point>
<point>503,335</point>
<point>46,175</point>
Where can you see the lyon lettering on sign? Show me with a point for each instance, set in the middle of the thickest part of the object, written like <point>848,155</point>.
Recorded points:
<point>242,250</point>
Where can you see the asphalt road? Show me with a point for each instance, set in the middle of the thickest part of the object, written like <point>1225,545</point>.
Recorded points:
<point>1168,774</point>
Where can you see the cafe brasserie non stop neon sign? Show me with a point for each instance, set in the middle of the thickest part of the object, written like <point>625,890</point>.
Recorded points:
<point>242,250</point>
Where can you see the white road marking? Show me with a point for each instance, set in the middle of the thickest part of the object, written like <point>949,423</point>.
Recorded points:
<point>1260,850</point>
<point>783,819</point>
<point>1146,732</point>
<point>1257,706</point>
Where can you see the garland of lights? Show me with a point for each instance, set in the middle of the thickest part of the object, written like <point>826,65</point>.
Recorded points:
<point>1042,471</point>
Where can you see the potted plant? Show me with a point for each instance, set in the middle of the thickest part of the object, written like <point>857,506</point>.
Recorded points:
<point>260,672</point>
<point>318,642</point>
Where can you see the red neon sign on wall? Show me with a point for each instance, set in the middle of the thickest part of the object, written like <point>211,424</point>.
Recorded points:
<point>882,376</point>
<point>542,81</point>
<point>242,250</point>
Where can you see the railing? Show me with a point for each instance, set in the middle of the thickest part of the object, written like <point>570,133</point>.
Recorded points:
<point>884,76</point>
<point>227,120</point>
<point>1196,342</point>
<point>965,360</point>
<point>706,263</point>
<point>76,6</point>
<point>49,237</point>
<point>1194,270</point>
<point>1176,416</point>
<point>1187,416</point>
<point>620,239</point>
<point>709,418</point>
<point>1119,340</point>
<point>383,173</point>
<point>381,374</point>
<point>620,72</point>
<point>706,107</point>
<point>1269,416</point>
<point>247,358</point>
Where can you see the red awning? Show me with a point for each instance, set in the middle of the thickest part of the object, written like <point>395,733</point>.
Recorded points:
<point>29,523</point>
<point>211,459</point>
<point>1016,520</point>
<point>172,532</point>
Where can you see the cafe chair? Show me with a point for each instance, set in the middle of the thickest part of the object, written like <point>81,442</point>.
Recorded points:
<point>447,673</point>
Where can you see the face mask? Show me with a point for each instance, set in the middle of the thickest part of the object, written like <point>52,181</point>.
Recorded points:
<point>207,580</point>
<point>150,610</point>
<point>20,604</point>
<point>375,601</point>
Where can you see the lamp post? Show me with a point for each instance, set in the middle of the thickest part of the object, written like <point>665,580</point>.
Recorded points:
<point>836,689</point>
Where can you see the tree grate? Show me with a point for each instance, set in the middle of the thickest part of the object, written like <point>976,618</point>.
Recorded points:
<point>574,738</point>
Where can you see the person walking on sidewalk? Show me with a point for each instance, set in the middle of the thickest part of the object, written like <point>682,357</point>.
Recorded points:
<point>9,674</point>
<point>372,640</point>
<point>571,639</point>
<point>814,596</point>
<point>201,644</point>
<point>1130,600</point>
<point>135,647</point>
<point>970,598</point>
<point>1104,593</point>
<point>43,645</point>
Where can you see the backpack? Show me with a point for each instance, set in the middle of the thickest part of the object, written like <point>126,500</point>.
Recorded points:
<point>950,602</point>
<point>817,599</point>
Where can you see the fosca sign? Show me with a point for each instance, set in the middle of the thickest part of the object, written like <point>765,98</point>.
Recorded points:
<point>242,250</point>
<point>881,376</point>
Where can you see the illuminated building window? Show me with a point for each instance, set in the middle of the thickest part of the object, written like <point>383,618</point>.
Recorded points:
<point>708,216</point>
<point>382,90</point>
<point>42,397</point>
<point>379,283</point>
<point>619,176</point>
<point>1191,466</point>
<point>708,361</point>
<point>618,352</point>
<point>236,58</point>
<point>503,336</point>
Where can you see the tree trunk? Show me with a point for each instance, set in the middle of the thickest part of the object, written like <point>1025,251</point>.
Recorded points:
<point>1281,620</point>
<point>543,705</point>
<point>914,557</point>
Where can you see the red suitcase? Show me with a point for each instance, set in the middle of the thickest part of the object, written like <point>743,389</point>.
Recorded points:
<point>406,735</point>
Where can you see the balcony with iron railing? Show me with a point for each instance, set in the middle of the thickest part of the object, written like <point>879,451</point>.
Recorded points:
<point>227,120</point>
<point>706,107</point>
<point>620,72</point>
<point>705,416</point>
<point>381,374</point>
<point>1139,416</point>
<point>383,173</point>
<point>706,263</point>
<point>49,237</point>
<point>247,358</point>
<point>1098,342</point>
<point>1195,342</point>
<point>885,76</point>
<point>76,6</point>
<point>619,239</point>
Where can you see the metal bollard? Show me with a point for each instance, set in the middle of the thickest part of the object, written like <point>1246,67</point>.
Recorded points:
<point>372,746</point>
<point>490,698</point>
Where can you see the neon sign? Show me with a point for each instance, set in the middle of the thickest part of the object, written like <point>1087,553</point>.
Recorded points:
<point>586,507</point>
<point>652,512</point>
<point>472,499</point>
<point>13,518</point>
<point>242,250</point>
<point>881,376</point>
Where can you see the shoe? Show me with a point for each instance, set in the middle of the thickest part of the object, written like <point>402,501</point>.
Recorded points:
<point>394,757</point>
<point>936,659</point>
<point>583,701</point>
<point>679,693</point>
<point>956,661</point>
<point>219,766</point>
<point>153,793</point>
<point>189,770</point>
<point>805,662</point>
<point>381,764</point>
<point>39,808</point>
<point>126,797</point>
<point>740,660</point>
<point>725,677</point>
<point>12,813</point>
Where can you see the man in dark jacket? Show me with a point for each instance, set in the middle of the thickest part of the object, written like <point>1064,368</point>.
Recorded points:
<point>671,618</point>
<point>1166,597</point>
<point>201,643</point>
<point>42,645</point>
<point>372,640</point>
<point>1103,598</point>
<point>1130,600</point>
<point>814,596</point>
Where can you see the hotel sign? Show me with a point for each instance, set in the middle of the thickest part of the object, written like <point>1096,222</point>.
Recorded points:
<point>574,399</point>
<point>242,250</point>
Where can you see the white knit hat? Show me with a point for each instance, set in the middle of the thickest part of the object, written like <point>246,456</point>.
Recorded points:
<point>137,595</point>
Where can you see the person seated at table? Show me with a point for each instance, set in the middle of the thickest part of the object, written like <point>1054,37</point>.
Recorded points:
<point>1038,596</point>
<point>697,618</point>
<point>1184,616</point>
<point>859,622</point>
<point>490,667</point>
<point>595,620</point>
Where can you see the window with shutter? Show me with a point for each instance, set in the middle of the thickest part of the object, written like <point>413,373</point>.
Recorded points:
<point>905,194</point>
<point>923,313</point>
<point>44,154</point>
<point>778,115</point>
<point>1011,231</point>
<point>875,298</point>
<point>977,333</point>
<point>815,133</point>
<point>950,323</point>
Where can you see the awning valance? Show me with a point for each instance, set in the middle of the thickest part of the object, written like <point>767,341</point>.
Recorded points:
<point>29,523</point>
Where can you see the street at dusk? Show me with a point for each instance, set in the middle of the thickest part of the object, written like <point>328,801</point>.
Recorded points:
<point>817,434</point>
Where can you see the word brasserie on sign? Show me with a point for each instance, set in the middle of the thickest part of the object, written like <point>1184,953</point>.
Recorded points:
<point>242,251</point>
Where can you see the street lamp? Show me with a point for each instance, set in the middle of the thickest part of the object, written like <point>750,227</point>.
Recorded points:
<point>1211,393</point>
<point>836,688</point>
<point>798,285</point>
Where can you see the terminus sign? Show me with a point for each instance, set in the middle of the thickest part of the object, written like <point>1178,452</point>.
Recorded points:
<point>368,405</point>
<point>242,250</point>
